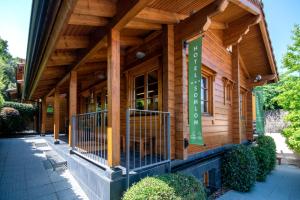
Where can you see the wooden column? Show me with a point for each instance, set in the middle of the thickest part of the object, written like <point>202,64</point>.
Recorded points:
<point>169,80</point>
<point>72,101</point>
<point>113,98</point>
<point>236,122</point>
<point>249,117</point>
<point>56,115</point>
<point>44,116</point>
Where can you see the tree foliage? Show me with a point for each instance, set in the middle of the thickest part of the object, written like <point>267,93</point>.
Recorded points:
<point>8,66</point>
<point>289,91</point>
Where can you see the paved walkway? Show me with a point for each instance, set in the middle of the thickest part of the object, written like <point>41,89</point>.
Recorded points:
<point>25,174</point>
<point>282,184</point>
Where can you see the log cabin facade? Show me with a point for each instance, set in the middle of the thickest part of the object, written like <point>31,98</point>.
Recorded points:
<point>116,74</point>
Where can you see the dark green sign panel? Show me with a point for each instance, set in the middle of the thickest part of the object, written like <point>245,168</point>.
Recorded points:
<point>260,114</point>
<point>195,51</point>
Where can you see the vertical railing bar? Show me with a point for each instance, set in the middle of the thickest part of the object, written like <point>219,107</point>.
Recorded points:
<point>134,140</point>
<point>155,116</point>
<point>140,138</point>
<point>165,138</point>
<point>160,137</point>
<point>169,141</point>
<point>145,146</point>
<point>151,138</point>
<point>127,146</point>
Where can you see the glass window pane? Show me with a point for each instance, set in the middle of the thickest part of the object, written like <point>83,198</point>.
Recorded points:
<point>204,82</point>
<point>139,92</point>
<point>152,77</point>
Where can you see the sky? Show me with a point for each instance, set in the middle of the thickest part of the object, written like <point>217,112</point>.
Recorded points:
<point>281,15</point>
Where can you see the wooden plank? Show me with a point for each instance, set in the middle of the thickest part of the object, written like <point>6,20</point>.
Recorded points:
<point>113,97</point>
<point>73,42</point>
<point>236,115</point>
<point>44,115</point>
<point>237,29</point>
<point>153,15</point>
<point>129,10</point>
<point>200,21</point>
<point>59,59</point>
<point>133,24</point>
<point>72,101</point>
<point>56,115</point>
<point>130,41</point>
<point>169,77</point>
<point>102,8</point>
<point>87,20</point>
<point>218,25</point>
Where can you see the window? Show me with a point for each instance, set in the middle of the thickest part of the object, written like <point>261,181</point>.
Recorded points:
<point>228,87</point>
<point>204,95</point>
<point>145,92</point>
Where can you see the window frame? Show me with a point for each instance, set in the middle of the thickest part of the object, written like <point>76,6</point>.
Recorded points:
<point>143,69</point>
<point>210,75</point>
<point>243,103</point>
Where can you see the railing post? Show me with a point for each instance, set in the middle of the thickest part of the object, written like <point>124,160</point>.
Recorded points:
<point>169,142</point>
<point>127,145</point>
<point>74,125</point>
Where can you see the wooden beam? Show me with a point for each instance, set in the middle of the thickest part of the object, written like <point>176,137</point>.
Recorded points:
<point>59,59</point>
<point>264,80</point>
<point>143,25</point>
<point>153,15</point>
<point>243,66</point>
<point>73,42</point>
<point>102,8</point>
<point>169,76</point>
<point>200,21</point>
<point>236,115</point>
<point>130,41</point>
<point>44,115</point>
<point>127,12</point>
<point>113,96</point>
<point>237,29</point>
<point>72,101</point>
<point>91,67</point>
<point>87,20</point>
<point>56,119</point>
<point>248,6</point>
<point>218,25</point>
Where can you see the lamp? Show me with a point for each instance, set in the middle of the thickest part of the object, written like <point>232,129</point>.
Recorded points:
<point>140,55</point>
<point>257,78</point>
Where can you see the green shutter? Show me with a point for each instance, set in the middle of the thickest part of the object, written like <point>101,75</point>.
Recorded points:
<point>195,63</point>
<point>260,114</point>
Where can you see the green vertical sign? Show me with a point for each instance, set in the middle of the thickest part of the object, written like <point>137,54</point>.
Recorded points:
<point>260,114</point>
<point>195,51</point>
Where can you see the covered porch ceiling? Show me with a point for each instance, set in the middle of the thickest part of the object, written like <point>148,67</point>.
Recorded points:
<point>80,42</point>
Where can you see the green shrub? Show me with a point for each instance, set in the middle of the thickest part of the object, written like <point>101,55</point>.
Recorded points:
<point>185,187</point>
<point>268,143</point>
<point>10,120</point>
<point>27,111</point>
<point>150,188</point>
<point>170,186</point>
<point>239,168</point>
<point>263,162</point>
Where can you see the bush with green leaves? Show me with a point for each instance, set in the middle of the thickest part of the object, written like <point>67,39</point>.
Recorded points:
<point>27,111</point>
<point>239,168</point>
<point>10,120</point>
<point>263,162</point>
<point>269,145</point>
<point>170,186</point>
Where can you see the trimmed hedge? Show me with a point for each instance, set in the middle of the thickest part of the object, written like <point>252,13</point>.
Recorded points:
<point>14,116</point>
<point>239,168</point>
<point>268,143</point>
<point>265,153</point>
<point>10,120</point>
<point>170,186</point>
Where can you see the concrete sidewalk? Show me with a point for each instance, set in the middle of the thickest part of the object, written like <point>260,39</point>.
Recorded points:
<point>282,184</point>
<point>25,173</point>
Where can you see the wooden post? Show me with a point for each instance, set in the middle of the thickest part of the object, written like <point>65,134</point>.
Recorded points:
<point>236,115</point>
<point>72,101</point>
<point>56,116</point>
<point>249,122</point>
<point>169,80</point>
<point>44,115</point>
<point>113,92</point>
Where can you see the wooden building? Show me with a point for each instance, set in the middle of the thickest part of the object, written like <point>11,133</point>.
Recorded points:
<point>121,71</point>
